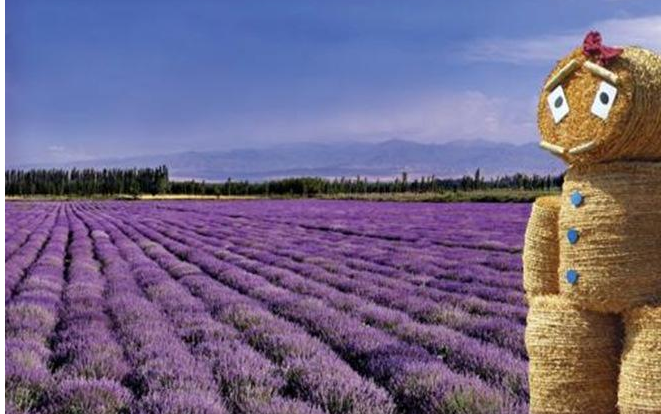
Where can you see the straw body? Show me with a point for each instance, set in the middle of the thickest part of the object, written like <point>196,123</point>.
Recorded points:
<point>592,258</point>
<point>541,250</point>
<point>574,356</point>
<point>617,253</point>
<point>640,376</point>
<point>606,226</point>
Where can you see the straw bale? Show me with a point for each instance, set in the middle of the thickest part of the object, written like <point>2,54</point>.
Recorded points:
<point>541,253</point>
<point>574,357</point>
<point>618,253</point>
<point>611,239</point>
<point>633,127</point>
<point>640,376</point>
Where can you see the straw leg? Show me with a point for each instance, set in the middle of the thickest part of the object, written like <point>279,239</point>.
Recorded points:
<point>640,376</point>
<point>574,358</point>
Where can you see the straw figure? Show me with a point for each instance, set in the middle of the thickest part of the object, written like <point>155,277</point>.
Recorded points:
<point>592,256</point>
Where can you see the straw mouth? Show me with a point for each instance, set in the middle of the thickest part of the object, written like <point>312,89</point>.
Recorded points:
<point>560,150</point>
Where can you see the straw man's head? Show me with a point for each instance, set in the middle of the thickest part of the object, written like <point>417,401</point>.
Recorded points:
<point>603,104</point>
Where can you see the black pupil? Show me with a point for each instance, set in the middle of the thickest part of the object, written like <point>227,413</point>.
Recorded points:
<point>558,102</point>
<point>603,97</point>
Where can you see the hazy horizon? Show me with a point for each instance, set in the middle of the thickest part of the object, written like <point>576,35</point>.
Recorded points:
<point>112,79</point>
<point>268,146</point>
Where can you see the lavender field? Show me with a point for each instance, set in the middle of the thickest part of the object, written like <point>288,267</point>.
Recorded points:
<point>264,307</point>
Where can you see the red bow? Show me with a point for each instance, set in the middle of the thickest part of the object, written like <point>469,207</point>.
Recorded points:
<point>592,48</point>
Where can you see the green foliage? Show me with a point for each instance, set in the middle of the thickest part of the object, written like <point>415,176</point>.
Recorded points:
<point>493,195</point>
<point>468,401</point>
<point>87,182</point>
<point>362,187</point>
<point>155,181</point>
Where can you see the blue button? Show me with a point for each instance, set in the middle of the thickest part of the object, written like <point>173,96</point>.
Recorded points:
<point>572,235</point>
<point>572,276</point>
<point>576,198</point>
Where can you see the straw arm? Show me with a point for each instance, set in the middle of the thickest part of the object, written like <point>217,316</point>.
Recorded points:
<point>541,250</point>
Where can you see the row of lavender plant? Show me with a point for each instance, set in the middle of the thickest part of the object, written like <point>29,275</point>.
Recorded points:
<point>426,225</point>
<point>89,364</point>
<point>451,263</point>
<point>31,318</point>
<point>488,227</point>
<point>457,263</point>
<point>428,310</point>
<point>17,265</point>
<point>254,324</point>
<point>461,353</point>
<point>408,256</point>
<point>385,291</point>
<point>467,301</point>
<point>311,370</point>
<point>15,212</point>
<point>496,330</point>
<point>485,227</point>
<point>424,286</point>
<point>418,285</point>
<point>389,360</point>
<point>19,227</point>
<point>248,382</point>
<point>494,301</point>
<point>445,265</point>
<point>164,376</point>
<point>431,287</point>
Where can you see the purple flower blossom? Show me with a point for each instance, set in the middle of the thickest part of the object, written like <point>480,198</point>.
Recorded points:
<point>266,307</point>
<point>82,396</point>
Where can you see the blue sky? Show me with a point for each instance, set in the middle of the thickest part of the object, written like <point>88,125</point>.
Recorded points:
<point>92,79</point>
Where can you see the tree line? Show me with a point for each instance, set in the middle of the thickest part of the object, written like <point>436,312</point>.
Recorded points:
<point>136,181</point>
<point>87,182</point>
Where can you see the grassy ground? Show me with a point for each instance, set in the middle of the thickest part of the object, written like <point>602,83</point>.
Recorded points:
<point>129,197</point>
<point>41,197</point>
<point>498,196</point>
<point>194,197</point>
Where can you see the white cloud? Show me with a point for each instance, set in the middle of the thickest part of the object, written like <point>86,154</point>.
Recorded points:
<point>433,117</point>
<point>642,31</point>
<point>61,153</point>
<point>468,115</point>
<point>56,149</point>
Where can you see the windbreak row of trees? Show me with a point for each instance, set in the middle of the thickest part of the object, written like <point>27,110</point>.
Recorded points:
<point>311,186</point>
<point>87,182</point>
<point>106,182</point>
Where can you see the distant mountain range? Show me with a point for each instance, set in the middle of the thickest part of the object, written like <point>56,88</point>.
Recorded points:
<point>386,159</point>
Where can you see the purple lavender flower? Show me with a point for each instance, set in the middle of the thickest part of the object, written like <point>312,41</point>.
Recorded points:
<point>265,307</point>
<point>80,396</point>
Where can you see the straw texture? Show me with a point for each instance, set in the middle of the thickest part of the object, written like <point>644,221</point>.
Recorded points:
<point>633,127</point>
<point>541,252</point>
<point>601,250</point>
<point>640,376</point>
<point>574,356</point>
<point>618,252</point>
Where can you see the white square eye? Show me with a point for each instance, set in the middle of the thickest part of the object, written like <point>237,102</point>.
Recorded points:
<point>558,104</point>
<point>603,100</point>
